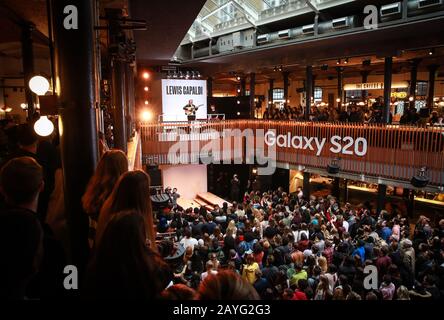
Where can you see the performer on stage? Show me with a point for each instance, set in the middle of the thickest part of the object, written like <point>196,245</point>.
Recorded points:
<point>190,110</point>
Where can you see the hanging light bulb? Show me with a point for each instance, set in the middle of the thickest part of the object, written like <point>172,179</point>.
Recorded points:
<point>43,127</point>
<point>39,85</point>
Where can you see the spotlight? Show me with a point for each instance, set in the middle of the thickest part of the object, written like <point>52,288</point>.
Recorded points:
<point>24,106</point>
<point>338,100</point>
<point>146,75</point>
<point>146,89</point>
<point>238,90</point>
<point>346,61</point>
<point>146,116</point>
<point>333,167</point>
<point>431,52</point>
<point>411,98</point>
<point>421,180</point>
<point>238,102</point>
<point>338,61</point>
<point>238,113</point>
<point>238,78</point>
<point>147,102</point>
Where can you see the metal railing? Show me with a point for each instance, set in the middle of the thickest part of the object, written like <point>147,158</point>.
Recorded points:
<point>393,151</point>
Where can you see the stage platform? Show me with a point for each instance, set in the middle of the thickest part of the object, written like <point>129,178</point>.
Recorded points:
<point>211,199</point>
<point>204,199</point>
<point>186,203</point>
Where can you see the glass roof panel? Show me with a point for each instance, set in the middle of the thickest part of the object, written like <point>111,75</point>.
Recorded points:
<point>218,15</point>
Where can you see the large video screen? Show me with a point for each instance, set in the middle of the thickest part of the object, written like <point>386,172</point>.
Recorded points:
<point>184,100</point>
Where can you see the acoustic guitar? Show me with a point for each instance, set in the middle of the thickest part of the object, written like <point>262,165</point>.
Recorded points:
<point>189,111</point>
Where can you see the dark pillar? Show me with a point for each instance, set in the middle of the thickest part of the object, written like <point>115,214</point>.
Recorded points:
<point>252,94</point>
<point>382,193</point>
<point>337,188</point>
<point>243,87</point>
<point>340,79</point>
<point>431,93</point>
<point>382,188</point>
<point>387,88</point>
<point>306,185</point>
<point>364,75</point>
<point>411,203</point>
<point>345,190</point>
<point>119,103</point>
<point>270,91</point>
<point>413,80</point>
<point>308,91</point>
<point>210,87</point>
<point>75,70</point>
<point>28,65</point>
<point>313,85</point>
<point>285,76</point>
<point>130,100</point>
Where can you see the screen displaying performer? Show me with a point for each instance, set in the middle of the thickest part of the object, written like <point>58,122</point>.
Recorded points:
<point>184,100</point>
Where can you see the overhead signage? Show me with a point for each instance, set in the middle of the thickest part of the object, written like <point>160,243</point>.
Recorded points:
<point>374,86</point>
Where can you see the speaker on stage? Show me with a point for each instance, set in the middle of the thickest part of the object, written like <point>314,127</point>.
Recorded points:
<point>155,175</point>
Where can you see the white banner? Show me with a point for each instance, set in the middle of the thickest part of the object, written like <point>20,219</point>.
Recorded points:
<point>183,99</point>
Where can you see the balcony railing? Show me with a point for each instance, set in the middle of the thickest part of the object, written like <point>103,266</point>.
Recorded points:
<point>374,150</point>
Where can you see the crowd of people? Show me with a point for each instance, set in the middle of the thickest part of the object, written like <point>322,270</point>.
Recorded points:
<point>292,248</point>
<point>353,114</point>
<point>271,245</point>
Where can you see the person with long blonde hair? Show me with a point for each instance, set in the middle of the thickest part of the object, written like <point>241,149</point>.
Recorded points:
<point>111,166</point>
<point>132,192</point>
